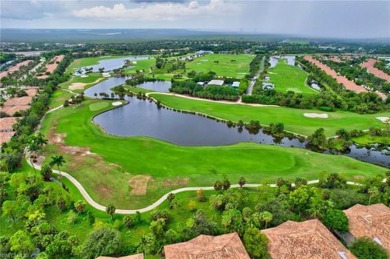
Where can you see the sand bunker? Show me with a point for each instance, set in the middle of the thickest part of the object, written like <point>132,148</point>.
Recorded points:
<point>384,119</point>
<point>116,103</point>
<point>316,115</point>
<point>77,86</point>
<point>84,76</point>
<point>139,184</point>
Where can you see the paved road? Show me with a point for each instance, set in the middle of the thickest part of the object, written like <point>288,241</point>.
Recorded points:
<point>253,82</point>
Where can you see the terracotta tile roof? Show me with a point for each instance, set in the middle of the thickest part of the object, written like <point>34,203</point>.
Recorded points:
<point>137,256</point>
<point>15,68</point>
<point>52,66</point>
<point>308,239</point>
<point>369,65</point>
<point>372,221</point>
<point>228,246</point>
<point>31,91</point>
<point>349,85</point>
<point>5,136</point>
<point>10,110</point>
<point>6,123</point>
<point>24,100</point>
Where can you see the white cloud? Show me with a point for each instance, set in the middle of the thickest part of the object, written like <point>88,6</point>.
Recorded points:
<point>157,11</point>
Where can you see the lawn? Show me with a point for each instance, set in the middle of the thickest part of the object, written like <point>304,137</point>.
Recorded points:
<point>293,119</point>
<point>289,78</point>
<point>142,65</point>
<point>225,67</point>
<point>91,77</point>
<point>106,173</point>
<point>58,98</point>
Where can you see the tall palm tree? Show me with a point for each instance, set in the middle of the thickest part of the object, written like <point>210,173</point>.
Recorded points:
<point>266,216</point>
<point>57,160</point>
<point>32,148</point>
<point>40,140</point>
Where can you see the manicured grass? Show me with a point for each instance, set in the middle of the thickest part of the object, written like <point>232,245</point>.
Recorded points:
<point>289,78</point>
<point>293,119</point>
<point>224,67</point>
<point>142,65</point>
<point>368,139</point>
<point>92,77</point>
<point>58,98</point>
<point>106,175</point>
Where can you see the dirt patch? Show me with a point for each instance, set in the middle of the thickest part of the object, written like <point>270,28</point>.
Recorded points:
<point>103,190</point>
<point>176,182</point>
<point>139,184</point>
<point>316,115</point>
<point>384,119</point>
<point>77,86</point>
<point>58,139</point>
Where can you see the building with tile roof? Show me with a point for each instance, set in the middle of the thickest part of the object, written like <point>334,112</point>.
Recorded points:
<point>371,221</point>
<point>228,246</point>
<point>304,240</point>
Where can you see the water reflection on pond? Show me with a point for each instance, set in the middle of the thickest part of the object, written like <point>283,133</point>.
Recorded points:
<point>144,118</point>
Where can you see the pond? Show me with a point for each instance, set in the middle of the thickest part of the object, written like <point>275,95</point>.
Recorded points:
<point>158,86</point>
<point>144,118</point>
<point>110,64</point>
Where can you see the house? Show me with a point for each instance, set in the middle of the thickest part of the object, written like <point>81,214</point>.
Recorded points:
<point>16,104</point>
<point>308,239</point>
<point>228,246</point>
<point>236,84</point>
<point>371,221</point>
<point>266,78</point>
<point>216,82</point>
<point>6,130</point>
<point>268,86</point>
<point>137,256</point>
<point>201,83</point>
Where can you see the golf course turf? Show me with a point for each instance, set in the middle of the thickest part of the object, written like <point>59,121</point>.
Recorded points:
<point>229,65</point>
<point>293,119</point>
<point>289,78</point>
<point>108,173</point>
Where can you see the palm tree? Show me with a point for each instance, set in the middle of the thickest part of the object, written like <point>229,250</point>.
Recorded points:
<point>40,140</point>
<point>32,148</point>
<point>57,160</point>
<point>372,192</point>
<point>266,217</point>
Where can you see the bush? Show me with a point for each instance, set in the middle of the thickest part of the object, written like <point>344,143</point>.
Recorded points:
<point>365,248</point>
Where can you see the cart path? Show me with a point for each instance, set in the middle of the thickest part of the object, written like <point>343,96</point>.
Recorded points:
<point>156,203</point>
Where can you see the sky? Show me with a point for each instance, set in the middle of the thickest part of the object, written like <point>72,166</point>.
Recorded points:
<point>312,18</point>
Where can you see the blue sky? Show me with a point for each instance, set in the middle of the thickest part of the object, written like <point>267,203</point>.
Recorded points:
<point>326,18</point>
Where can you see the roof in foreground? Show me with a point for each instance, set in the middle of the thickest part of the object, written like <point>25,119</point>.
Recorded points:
<point>372,221</point>
<point>6,136</point>
<point>216,82</point>
<point>6,123</point>
<point>308,239</point>
<point>137,256</point>
<point>226,246</point>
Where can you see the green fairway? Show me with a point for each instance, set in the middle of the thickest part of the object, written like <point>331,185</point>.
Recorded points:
<point>289,78</point>
<point>143,65</point>
<point>107,174</point>
<point>228,65</point>
<point>293,119</point>
<point>90,78</point>
<point>58,98</point>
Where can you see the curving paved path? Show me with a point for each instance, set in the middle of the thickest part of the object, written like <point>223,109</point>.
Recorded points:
<point>156,203</point>
<point>100,207</point>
